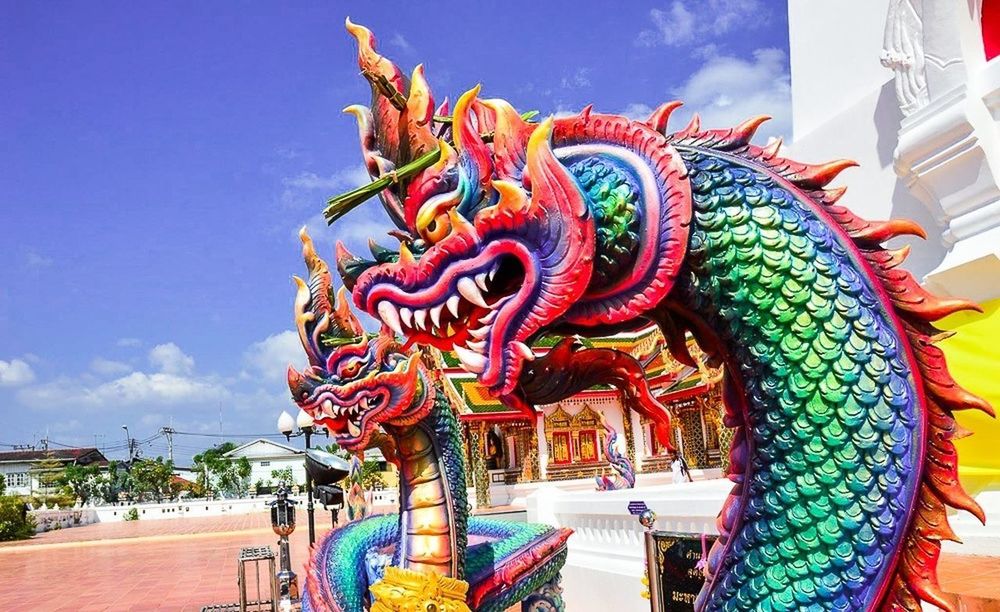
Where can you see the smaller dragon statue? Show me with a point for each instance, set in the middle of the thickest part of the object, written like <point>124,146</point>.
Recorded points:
<point>624,477</point>
<point>369,391</point>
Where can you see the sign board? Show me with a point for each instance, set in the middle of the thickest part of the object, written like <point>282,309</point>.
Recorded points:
<point>635,508</point>
<point>674,569</point>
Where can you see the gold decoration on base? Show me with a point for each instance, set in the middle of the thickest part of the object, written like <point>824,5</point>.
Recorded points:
<point>405,590</point>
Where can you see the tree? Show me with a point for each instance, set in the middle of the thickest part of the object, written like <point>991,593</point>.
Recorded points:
<point>3,485</point>
<point>284,475</point>
<point>49,472</point>
<point>110,484</point>
<point>225,475</point>
<point>152,477</point>
<point>15,522</point>
<point>371,471</point>
<point>80,480</point>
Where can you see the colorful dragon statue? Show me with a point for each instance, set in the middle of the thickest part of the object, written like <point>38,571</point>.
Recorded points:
<point>624,477</point>
<point>843,460</point>
<point>359,387</point>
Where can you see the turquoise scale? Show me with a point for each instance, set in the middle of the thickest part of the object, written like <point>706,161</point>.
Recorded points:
<point>832,406</point>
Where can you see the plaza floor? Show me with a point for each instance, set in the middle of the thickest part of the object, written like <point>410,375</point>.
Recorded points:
<point>184,564</point>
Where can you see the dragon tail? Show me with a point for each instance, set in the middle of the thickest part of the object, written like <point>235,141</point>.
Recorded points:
<point>914,577</point>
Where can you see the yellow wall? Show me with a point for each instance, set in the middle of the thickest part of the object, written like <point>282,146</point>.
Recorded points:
<point>974,360</point>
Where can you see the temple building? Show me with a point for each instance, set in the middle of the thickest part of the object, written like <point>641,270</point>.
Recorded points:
<point>566,439</point>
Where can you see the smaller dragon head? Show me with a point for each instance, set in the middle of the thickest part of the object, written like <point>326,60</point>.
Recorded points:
<point>353,384</point>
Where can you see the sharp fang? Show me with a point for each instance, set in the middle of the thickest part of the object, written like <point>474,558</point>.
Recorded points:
<point>354,428</point>
<point>420,318</point>
<point>453,304</point>
<point>328,407</point>
<point>493,272</point>
<point>467,287</point>
<point>436,315</point>
<point>387,312</point>
<point>486,320</point>
<point>407,316</point>
<point>479,333</point>
<point>473,362</point>
<point>523,350</point>
<point>477,346</point>
<point>481,280</point>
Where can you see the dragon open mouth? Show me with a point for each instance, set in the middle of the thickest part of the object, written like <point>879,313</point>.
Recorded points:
<point>347,417</point>
<point>468,305</point>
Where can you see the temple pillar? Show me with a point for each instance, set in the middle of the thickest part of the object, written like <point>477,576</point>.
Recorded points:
<point>635,422</point>
<point>480,477</point>
<point>629,433</point>
<point>542,446</point>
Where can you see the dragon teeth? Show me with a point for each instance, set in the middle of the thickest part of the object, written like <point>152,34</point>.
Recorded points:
<point>479,333</point>
<point>470,291</point>
<point>493,271</point>
<point>387,312</point>
<point>328,407</point>
<point>436,315</point>
<point>481,280</point>
<point>407,316</point>
<point>453,304</point>
<point>354,428</point>
<point>471,360</point>
<point>477,346</point>
<point>420,318</point>
<point>523,350</point>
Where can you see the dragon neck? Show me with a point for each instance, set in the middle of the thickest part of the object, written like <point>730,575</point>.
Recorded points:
<point>829,453</point>
<point>433,511</point>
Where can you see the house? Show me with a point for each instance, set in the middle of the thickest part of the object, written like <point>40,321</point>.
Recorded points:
<point>19,468</point>
<point>266,456</point>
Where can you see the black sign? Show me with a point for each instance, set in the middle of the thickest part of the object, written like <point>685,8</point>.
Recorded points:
<point>677,557</point>
<point>635,508</point>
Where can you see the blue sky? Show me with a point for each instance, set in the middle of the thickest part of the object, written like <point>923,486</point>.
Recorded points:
<point>158,158</point>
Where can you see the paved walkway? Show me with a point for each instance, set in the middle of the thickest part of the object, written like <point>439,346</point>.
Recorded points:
<point>184,564</point>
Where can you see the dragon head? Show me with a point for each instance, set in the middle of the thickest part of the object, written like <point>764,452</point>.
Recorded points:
<point>353,383</point>
<point>498,239</point>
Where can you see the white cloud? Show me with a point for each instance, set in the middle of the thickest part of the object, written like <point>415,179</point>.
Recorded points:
<point>170,359</point>
<point>138,389</point>
<point>727,90</point>
<point>15,372</point>
<point>36,261</point>
<point>637,111</point>
<point>109,367</point>
<point>270,357</point>
<point>129,342</point>
<point>301,190</point>
<point>580,78</point>
<point>399,41</point>
<point>711,19</point>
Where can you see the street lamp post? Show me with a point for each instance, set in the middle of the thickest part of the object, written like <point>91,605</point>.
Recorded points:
<point>307,427</point>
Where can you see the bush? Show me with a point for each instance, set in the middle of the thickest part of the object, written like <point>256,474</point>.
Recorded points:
<point>15,522</point>
<point>131,515</point>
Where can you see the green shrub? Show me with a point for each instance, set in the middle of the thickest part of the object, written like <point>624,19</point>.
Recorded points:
<point>15,524</point>
<point>131,515</point>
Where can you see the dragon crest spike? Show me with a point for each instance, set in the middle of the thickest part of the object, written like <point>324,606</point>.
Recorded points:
<point>419,115</point>
<point>510,139</point>
<point>884,230</point>
<point>771,150</point>
<point>692,128</point>
<point>661,116</point>
<point>744,132</point>
<point>817,176</point>
<point>474,154</point>
<point>350,266</point>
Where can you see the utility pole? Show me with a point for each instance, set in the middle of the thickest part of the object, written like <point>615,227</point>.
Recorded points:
<point>169,433</point>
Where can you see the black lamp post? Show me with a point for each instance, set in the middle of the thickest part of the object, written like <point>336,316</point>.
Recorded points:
<point>283,524</point>
<point>306,428</point>
<point>327,469</point>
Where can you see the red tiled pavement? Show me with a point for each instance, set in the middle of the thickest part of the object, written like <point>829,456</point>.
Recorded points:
<point>184,564</point>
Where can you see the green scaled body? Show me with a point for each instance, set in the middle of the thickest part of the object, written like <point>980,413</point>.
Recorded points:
<point>831,413</point>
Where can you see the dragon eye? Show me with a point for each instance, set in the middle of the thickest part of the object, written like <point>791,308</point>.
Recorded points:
<point>350,369</point>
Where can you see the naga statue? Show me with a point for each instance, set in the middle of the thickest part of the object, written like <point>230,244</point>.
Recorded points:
<point>843,462</point>
<point>624,477</point>
<point>370,391</point>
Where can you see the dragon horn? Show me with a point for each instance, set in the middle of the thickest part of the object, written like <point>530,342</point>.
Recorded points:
<point>473,151</point>
<point>350,266</point>
<point>345,324</point>
<point>510,140</point>
<point>419,115</point>
<point>313,305</point>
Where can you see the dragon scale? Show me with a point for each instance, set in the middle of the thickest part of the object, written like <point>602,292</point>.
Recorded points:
<point>843,461</point>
